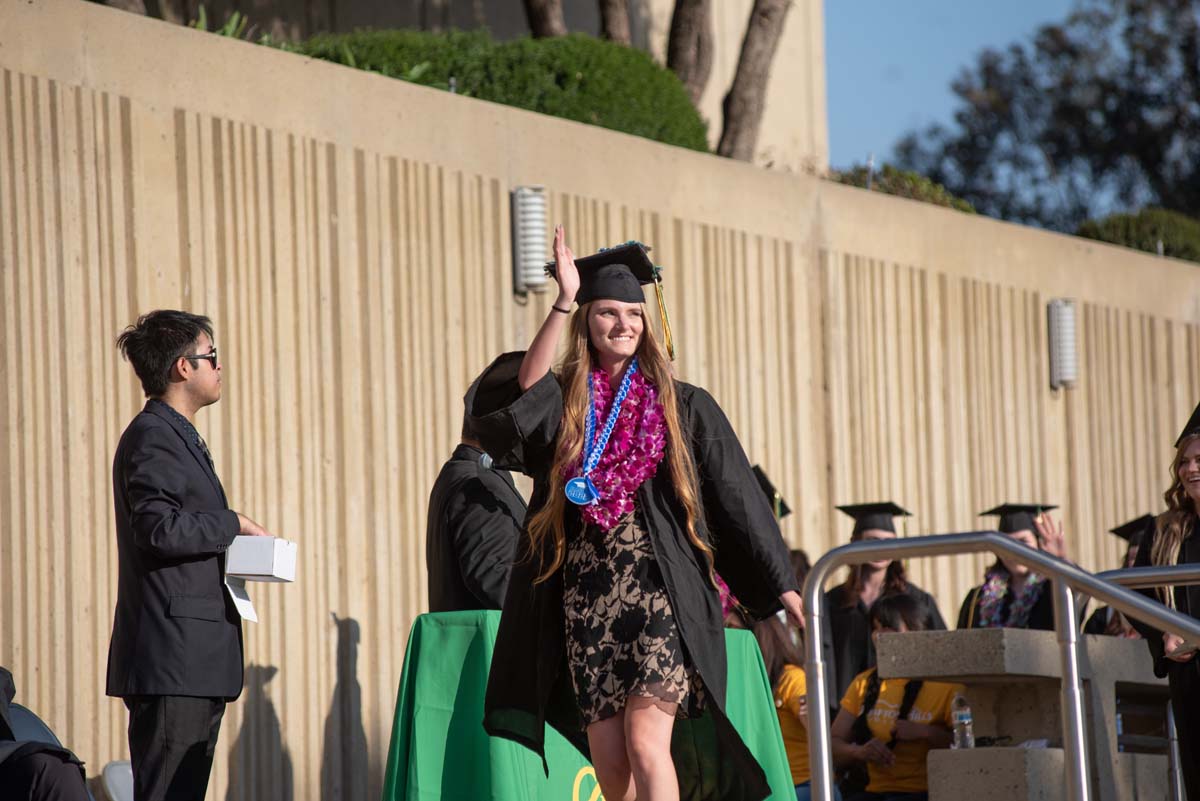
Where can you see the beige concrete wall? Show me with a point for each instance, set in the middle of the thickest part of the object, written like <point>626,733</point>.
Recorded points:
<point>349,236</point>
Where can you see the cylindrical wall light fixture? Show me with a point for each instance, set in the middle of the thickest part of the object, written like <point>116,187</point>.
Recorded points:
<point>528,205</point>
<point>1064,363</point>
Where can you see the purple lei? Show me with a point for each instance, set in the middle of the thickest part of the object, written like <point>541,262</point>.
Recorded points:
<point>991,604</point>
<point>633,453</point>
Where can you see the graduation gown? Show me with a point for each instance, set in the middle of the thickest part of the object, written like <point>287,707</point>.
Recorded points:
<point>1041,617</point>
<point>849,648</point>
<point>12,749</point>
<point>1183,677</point>
<point>529,684</point>
<point>475,517</point>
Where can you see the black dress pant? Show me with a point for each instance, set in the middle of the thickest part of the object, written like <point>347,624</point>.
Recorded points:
<point>41,776</point>
<point>172,739</point>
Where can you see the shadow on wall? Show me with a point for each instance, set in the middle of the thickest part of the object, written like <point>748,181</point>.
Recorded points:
<point>259,763</point>
<point>344,762</point>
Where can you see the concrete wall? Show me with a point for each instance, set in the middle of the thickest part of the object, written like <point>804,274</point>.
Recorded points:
<point>349,236</point>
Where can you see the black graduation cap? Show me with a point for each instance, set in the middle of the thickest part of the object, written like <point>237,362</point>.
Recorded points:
<point>779,506</point>
<point>874,515</point>
<point>618,273</point>
<point>1018,516</point>
<point>1135,530</point>
<point>1192,427</point>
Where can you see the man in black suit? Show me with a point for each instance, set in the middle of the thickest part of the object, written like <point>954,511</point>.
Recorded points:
<point>34,771</point>
<point>475,518</point>
<point>176,650</point>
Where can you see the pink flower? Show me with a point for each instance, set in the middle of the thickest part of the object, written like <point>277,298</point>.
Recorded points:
<point>634,450</point>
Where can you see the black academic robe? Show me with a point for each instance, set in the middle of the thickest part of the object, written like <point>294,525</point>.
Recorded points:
<point>847,642</point>
<point>12,749</point>
<point>1183,677</point>
<point>1041,617</point>
<point>475,518</point>
<point>529,684</point>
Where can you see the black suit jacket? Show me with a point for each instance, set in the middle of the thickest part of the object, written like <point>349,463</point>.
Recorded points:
<point>175,631</point>
<point>475,518</point>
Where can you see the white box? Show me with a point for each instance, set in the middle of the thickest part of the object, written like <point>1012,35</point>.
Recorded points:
<point>261,559</point>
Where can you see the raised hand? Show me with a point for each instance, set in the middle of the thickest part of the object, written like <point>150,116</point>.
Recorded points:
<point>1051,533</point>
<point>565,271</point>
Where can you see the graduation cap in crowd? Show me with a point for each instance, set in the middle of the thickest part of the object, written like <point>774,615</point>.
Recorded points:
<point>1135,530</point>
<point>618,273</point>
<point>879,515</point>
<point>778,505</point>
<point>1192,427</point>
<point>1018,516</point>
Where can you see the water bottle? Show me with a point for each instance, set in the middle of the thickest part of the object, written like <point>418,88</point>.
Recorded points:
<point>1120,731</point>
<point>964,731</point>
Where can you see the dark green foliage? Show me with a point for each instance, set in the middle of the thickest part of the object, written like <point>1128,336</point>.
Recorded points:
<point>577,77</point>
<point>903,183</point>
<point>1178,233</point>
<point>1095,114</point>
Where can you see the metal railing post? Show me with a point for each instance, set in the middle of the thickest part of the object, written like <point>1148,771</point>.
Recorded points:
<point>1071,693</point>
<point>1174,767</point>
<point>1069,575</point>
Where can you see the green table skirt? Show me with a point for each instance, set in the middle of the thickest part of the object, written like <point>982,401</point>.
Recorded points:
<point>439,749</point>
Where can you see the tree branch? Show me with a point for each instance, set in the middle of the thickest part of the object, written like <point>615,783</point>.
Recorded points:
<point>746,99</point>
<point>690,45</point>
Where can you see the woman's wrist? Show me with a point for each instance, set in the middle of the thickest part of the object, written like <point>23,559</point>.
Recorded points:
<point>564,300</point>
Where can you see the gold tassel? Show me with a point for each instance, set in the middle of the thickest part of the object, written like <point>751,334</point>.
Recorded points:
<point>666,318</point>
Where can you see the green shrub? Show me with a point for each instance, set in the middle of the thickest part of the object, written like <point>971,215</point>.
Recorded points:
<point>577,77</point>
<point>893,181</point>
<point>1178,233</point>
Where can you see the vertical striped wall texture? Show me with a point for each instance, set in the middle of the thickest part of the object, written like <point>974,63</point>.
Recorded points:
<point>358,275</point>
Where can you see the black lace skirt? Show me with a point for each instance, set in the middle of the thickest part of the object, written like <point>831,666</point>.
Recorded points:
<point>622,641</point>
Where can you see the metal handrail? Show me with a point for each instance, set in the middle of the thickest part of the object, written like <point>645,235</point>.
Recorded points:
<point>1153,576</point>
<point>1066,576</point>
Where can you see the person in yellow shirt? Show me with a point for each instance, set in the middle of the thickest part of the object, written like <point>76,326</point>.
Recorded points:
<point>891,724</point>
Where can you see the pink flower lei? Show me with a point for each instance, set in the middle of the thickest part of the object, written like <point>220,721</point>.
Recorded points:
<point>634,450</point>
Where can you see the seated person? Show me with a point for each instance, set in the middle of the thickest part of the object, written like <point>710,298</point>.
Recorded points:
<point>33,771</point>
<point>475,519</point>
<point>891,724</point>
<point>1107,620</point>
<point>1012,596</point>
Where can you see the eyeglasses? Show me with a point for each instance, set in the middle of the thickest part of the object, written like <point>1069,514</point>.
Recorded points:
<point>210,357</point>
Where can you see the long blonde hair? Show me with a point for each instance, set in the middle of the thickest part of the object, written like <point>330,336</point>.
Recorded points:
<point>574,373</point>
<point>1176,524</point>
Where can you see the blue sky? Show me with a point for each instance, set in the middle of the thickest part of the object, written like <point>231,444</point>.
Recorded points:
<point>889,63</point>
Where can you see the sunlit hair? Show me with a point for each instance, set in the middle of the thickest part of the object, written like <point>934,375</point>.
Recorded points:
<point>574,373</point>
<point>1174,525</point>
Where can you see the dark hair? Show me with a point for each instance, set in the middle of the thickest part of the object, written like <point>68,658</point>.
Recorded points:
<point>889,612</point>
<point>156,341</point>
<point>800,565</point>
<point>895,581</point>
<point>893,609</point>
<point>775,641</point>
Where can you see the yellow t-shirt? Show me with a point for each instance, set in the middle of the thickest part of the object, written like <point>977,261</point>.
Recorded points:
<point>933,705</point>
<point>788,695</point>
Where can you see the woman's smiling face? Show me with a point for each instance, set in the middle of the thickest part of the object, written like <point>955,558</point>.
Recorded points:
<point>615,329</point>
<point>1189,471</point>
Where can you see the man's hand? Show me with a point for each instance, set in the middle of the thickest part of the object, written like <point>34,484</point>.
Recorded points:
<point>249,528</point>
